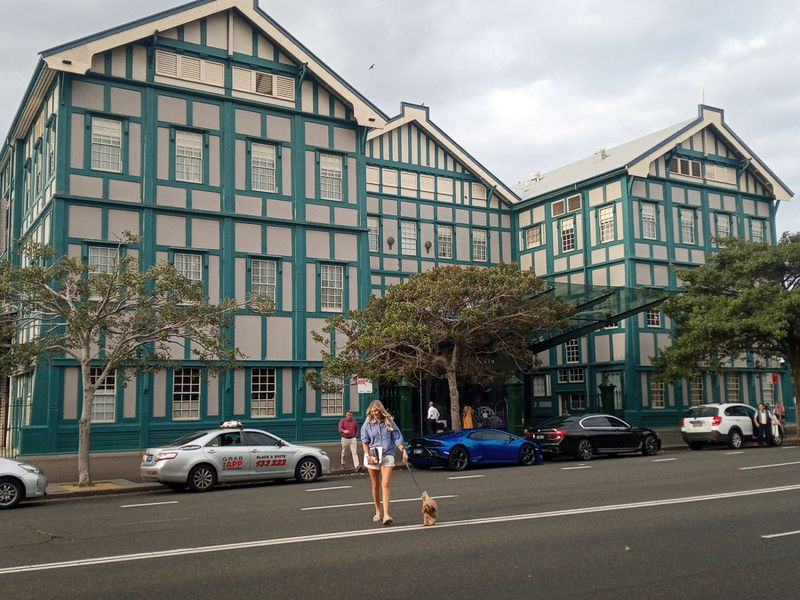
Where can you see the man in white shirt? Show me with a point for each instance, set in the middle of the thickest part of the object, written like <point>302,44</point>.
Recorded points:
<point>430,421</point>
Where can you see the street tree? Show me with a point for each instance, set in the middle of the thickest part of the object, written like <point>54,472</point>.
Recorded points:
<point>119,319</point>
<point>744,299</point>
<point>466,324</point>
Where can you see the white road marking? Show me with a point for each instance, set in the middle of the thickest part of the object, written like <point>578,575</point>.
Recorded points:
<point>787,447</point>
<point>337,487</point>
<point>573,468</point>
<point>797,462</point>
<point>148,504</point>
<point>415,499</point>
<point>467,477</point>
<point>777,535</point>
<point>663,459</point>
<point>152,522</point>
<point>182,552</point>
<point>735,452</point>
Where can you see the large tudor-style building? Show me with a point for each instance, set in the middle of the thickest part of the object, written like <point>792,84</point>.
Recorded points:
<point>242,159</point>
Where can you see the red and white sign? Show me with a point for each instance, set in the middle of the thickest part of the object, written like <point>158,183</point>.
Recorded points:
<point>776,377</point>
<point>364,385</point>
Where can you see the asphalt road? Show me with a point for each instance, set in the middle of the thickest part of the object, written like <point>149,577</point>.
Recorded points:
<point>683,524</point>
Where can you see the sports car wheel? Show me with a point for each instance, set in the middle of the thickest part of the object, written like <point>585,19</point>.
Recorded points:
<point>459,458</point>
<point>10,492</point>
<point>527,455</point>
<point>584,451</point>
<point>307,469</point>
<point>202,478</point>
<point>650,446</point>
<point>735,440</point>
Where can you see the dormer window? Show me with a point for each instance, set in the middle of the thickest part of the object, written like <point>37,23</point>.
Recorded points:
<point>684,166</point>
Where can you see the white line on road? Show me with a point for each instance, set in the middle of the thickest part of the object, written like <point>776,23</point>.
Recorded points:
<point>467,477</point>
<point>735,452</point>
<point>573,468</point>
<point>148,504</point>
<point>182,552</point>
<point>663,459</point>
<point>787,447</point>
<point>337,487</point>
<point>797,462</point>
<point>777,535</point>
<point>416,499</point>
<point>137,523</point>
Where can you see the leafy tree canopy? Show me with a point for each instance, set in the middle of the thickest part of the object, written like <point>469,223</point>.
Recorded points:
<point>467,324</point>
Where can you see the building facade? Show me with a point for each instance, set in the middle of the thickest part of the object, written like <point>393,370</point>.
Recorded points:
<point>240,158</point>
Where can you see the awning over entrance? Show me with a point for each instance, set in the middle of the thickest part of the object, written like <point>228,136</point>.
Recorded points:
<point>594,307</point>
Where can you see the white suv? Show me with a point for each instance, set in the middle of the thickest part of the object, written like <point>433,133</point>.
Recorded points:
<point>730,424</point>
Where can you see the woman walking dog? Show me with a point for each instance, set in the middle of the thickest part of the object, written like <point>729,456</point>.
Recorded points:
<point>380,436</point>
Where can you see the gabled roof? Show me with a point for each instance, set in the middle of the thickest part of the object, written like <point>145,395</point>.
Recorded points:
<point>413,113</point>
<point>635,157</point>
<point>76,56</point>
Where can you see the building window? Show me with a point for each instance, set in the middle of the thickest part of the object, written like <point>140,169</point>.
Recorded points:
<point>408,237</point>
<point>649,223</point>
<point>563,376</point>
<point>330,177</point>
<point>567,234</point>
<point>263,168</point>
<point>106,145</point>
<point>186,394</point>
<point>606,218</point>
<point>102,259</point>
<point>262,393</point>
<point>573,351</point>
<point>189,156</point>
<point>687,226</point>
<point>264,277</point>
<point>479,244</point>
<point>189,265</point>
<point>332,287</point>
<point>615,378</point>
<point>696,391</point>
<point>104,398</point>
<point>684,166</point>
<point>731,387</point>
<point>332,403</point>
<point>533,237</point>
<point>723,225</point>
<point>51,151</point>
<point>373,234</point>
<point>444,240</point>
<point>539,384</point>
<point>767,389</point>
<point>654,318</point>
<point>656,394</point>
<point>572,402</point>
<point>757,234</point>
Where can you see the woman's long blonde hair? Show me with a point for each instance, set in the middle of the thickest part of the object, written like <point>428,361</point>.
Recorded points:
<point>387,418</point>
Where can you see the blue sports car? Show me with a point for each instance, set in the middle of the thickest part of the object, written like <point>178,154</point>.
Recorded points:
<point>460,449</point>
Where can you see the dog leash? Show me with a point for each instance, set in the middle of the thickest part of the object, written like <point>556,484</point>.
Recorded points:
<point>414,479</point>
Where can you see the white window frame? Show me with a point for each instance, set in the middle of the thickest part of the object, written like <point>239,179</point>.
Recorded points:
<point>563,376</point>
<point>723,218</point>
<point>653,318</point>
<point>330,177</point>
<point>106,145</point>
<point>186,383</point>
<point>104,399</point>
<point>696,391</point>
<point>263,168</point>
<point>576,375</point>
<point>101,259</point>
<point>657,394</point>
<point>331,403</point>
<point>189,163</point>
<point>767,388</point>
<point>264,277</point>
<point>263,392</point>
<point>572,351</point>
<point>533,236</point>
<point>444,241</point>
<point>649,221</point>
<point>331,288</point>
<point>756,230</point>
<point>605,218</point>
<point>732,387</point>
<point>539,385</point>
<point>687,225</point>
<point>567,229</point>
<point>479,245</point>
<point>189,265</point>
<point>408,238</point>
<point>576,401</point>
<point>374,234</point>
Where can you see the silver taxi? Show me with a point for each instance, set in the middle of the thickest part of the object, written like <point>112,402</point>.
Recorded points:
<point>19,480</point>
<point>231,454</point>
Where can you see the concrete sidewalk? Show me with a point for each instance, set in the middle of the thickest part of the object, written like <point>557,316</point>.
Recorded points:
<point>118,472</point>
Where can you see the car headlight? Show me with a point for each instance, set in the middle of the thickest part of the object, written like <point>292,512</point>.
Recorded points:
<point>31,468</point>
<point>323,452</point>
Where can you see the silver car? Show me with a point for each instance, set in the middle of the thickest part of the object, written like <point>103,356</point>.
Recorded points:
<point>18,481</point>
<point>229,455</point>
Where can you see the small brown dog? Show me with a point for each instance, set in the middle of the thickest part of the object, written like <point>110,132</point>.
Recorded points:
<point>430,509</point>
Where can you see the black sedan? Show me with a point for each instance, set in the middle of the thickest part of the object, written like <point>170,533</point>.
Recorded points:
<point>585,436</point>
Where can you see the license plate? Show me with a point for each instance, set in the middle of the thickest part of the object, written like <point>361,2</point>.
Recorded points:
<point>416,451</point>
<point>697,423</point>
<point>539,437</point>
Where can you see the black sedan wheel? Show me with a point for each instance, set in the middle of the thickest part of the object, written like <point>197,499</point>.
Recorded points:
<point>650,446</point>
<point>584,450</point>
<point>459,458</point>
<point>202,478</point>
<point>10,493</point>
<point>527,455</point>
<point>308,470</point>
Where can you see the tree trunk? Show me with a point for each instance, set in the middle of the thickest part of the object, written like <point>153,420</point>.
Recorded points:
<point>794,368</point>
<point>455,413</point>
<point>84,431</point>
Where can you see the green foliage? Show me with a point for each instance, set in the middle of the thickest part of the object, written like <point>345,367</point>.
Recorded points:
<point>469,323</point>
<point>744,299</point>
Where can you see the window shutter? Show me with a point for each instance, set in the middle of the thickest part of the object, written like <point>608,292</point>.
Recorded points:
<point>264,84</point>
<point>673,165</point>
<point>284,87</point>
<point>573,203</point>
<point>189,68</point>
<point>242,79</point>
<point>214,73</point>
<point>166,64</point>
<point>695,165</point>
<point>558,208</point>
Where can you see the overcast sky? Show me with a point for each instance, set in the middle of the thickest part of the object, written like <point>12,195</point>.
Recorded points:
<point>523,85</point>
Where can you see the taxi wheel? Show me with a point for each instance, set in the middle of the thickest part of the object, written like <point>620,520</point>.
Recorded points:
<point>202,478</point>
<point>10,492</point>
<point>307,469</point>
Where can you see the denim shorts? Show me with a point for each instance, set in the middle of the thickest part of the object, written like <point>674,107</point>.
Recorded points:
<point>386,461</point>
